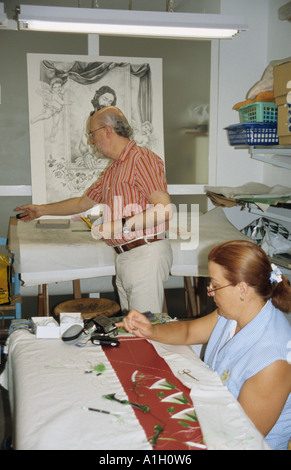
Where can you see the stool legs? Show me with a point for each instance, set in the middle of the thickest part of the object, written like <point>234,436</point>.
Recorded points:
<point>190,298</point>
<point>43,308</point>
<point>77,289</point>
<point>43,297</point>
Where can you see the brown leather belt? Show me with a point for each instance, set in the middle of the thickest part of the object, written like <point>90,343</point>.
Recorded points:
<point>141,241</point>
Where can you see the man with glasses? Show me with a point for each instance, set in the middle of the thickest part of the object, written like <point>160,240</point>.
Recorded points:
<point>136,209</point>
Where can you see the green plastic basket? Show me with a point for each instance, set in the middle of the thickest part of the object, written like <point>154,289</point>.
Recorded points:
<point>258,112</point>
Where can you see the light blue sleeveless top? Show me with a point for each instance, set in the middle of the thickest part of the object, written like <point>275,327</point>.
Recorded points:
<point>264,340</point>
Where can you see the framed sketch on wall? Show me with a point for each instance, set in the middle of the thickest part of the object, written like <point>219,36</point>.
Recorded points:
<point>63,90</point>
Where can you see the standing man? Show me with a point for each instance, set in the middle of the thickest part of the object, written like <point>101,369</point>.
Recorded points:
<point>136,208</point>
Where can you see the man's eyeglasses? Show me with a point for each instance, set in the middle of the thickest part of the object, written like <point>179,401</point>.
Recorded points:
<point>211,291</point>
<point>90,134</point>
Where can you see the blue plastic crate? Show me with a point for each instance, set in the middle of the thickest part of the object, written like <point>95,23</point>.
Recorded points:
<point>254,133</point>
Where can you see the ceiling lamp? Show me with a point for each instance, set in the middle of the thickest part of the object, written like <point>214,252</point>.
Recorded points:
<point>128,22</point>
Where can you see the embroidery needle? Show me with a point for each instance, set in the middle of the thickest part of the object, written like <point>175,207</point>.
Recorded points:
<point>112,396</point>
<point>158,430</point>
<point>98,410</point>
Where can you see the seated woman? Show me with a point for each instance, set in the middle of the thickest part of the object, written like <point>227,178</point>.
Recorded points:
<point>248,336</point>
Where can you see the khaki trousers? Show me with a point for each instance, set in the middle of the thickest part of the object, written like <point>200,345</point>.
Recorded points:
<point>141,274</point>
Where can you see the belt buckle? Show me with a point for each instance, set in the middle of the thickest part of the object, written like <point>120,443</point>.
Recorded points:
<point>120,249</point>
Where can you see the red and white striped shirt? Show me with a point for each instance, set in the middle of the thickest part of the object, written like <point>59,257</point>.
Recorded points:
<point>125,187</point>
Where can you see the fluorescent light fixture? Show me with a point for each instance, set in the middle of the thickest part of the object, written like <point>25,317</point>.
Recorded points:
<point>128,22</point>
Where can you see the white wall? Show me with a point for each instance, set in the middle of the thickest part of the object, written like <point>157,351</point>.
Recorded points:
<point>241,63</point>
<point>279,42</point>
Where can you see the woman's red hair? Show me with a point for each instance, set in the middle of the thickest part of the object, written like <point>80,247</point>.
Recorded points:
<point>245,261</point>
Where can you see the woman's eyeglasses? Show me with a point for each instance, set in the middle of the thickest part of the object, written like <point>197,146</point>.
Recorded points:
<point>210,291</point>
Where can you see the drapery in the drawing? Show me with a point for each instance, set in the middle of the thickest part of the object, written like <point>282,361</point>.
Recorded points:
<point>86,73</point>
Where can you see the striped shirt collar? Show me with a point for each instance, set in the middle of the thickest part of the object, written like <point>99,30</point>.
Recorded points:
<point>125,152</point>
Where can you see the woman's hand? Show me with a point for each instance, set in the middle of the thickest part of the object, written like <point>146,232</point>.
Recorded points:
<point>196,331</point>
<point>136,323</point>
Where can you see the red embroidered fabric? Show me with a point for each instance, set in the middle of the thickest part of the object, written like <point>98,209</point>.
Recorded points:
<point>165,410</point>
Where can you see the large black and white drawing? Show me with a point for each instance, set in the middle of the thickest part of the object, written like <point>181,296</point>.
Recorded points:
<point>63,91</point>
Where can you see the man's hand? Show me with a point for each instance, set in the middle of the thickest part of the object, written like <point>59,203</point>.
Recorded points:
<point>30,212</point>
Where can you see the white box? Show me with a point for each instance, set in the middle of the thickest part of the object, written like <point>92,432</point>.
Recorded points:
<point>45,327</point>
<point>68,319</point>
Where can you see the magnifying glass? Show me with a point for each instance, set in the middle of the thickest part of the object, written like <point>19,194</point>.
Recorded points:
<point>72,333</point>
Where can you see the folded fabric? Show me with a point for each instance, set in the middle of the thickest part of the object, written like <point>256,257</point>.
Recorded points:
<point>264,96</point>
<point>224,423</point>
<point>222,201</point>
<point>267,81</point>
<point>250,189</point>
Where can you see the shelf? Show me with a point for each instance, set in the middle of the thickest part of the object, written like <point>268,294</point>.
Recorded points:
<point>277,156</point>
<point>274,213</point>
<point>199,130</point>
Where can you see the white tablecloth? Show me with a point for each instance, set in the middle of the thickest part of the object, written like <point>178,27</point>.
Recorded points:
<point>56,255</point>
<point>49,392</point>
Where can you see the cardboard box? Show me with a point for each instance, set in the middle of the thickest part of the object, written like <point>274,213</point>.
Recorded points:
<point>282,94</point>
<point>45,327</point>
<point>282,83</point>
<point>284,124</point>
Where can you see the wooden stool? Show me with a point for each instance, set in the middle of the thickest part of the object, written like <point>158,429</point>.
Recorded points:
<point>89,308</point>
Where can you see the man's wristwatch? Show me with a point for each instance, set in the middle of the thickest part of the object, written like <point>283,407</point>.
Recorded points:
<point>125,229</point>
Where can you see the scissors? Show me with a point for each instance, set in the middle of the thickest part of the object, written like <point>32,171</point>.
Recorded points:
<point>187,372</point>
